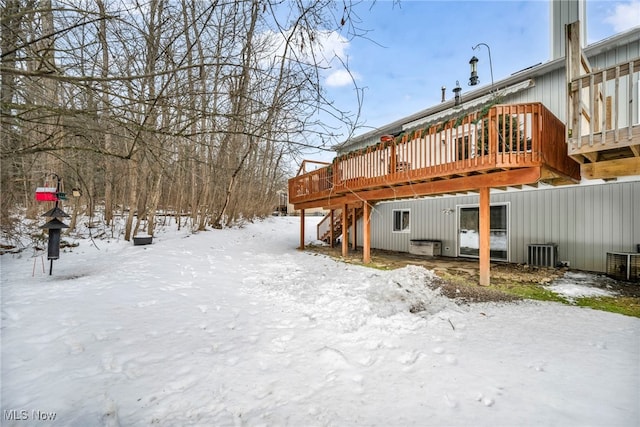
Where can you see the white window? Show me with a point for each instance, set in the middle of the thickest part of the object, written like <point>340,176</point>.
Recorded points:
<point>401,220</point>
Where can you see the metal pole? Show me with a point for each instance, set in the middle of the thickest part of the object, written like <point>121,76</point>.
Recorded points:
<point>57,187</point>
<point>57,201</point>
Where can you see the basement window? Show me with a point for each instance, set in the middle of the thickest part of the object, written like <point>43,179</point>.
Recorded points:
<point>401,220</point>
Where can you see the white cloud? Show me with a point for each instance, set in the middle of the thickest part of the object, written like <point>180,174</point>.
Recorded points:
<point>323,50</point>
<point>328,51</point>
<point>331,45</point>
<point>332,48</point>
<point>340,78</point>
<point>624,16</point>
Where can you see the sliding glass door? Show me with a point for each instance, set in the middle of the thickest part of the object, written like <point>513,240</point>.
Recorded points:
<point>469,232</point>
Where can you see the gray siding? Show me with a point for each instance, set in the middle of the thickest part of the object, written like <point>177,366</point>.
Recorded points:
<point>609,58</point>
<point>585,221</point>
<point>562,13</point>
<point>549,89</point>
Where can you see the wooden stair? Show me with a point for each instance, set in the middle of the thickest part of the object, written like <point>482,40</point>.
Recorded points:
<point>324,232</point>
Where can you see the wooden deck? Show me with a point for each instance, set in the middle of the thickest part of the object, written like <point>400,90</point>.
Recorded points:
<point>507,145</point>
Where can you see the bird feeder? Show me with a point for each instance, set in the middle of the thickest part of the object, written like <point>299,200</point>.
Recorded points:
<point>53,247</point>
<point>473,80</point>
<point>53,227</point>
<point>47,194</point>
<point>56,212</point>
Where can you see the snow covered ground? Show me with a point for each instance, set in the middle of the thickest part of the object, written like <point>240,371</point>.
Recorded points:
<point>237,328</point>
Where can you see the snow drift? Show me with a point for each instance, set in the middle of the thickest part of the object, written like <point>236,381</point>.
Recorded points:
<point>236,327</point>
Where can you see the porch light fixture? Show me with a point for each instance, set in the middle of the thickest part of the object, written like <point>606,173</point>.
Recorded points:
<point>456,92</point>
<point>474,80</point>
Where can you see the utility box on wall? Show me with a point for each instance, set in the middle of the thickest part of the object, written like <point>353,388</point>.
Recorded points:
<point>425,247</point>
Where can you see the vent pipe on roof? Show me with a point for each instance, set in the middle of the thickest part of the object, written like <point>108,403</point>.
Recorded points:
<point>457,96</point>
<point>444,89</point>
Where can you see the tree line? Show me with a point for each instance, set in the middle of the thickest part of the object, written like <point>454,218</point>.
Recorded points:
<point>196,108</point>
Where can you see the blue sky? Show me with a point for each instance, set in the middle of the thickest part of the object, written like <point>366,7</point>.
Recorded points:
<point>413,48</point>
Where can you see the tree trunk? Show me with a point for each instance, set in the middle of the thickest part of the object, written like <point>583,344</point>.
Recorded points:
<point>133,198</point>
<point>218,221</point>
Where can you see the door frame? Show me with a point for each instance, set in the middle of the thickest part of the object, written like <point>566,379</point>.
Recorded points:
<point>459,208</point>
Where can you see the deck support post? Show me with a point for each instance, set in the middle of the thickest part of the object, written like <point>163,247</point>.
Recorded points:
<point>354,233</point>
<point>301,229</point>
<point>332,237</point>
<point>485,235</point>
<point>366,233</point>
<point>345,230</point>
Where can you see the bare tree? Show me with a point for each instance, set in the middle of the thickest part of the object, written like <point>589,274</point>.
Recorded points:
<point>169,105</point>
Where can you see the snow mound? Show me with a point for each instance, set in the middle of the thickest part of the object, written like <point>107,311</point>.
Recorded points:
<point>406,290</point>
<point>347,296</point>
<point>578,284</point>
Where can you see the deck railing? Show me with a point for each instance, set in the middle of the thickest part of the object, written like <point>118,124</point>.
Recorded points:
<point>602,107</point>
<point>504,137</point>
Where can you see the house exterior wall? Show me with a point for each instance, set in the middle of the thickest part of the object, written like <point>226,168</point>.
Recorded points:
<point>586,221</point>
<point>604,58</point>
<point>550,89</point>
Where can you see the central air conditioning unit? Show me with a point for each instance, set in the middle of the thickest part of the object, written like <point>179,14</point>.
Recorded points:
<point>624,266</point>
<point>542,254</point>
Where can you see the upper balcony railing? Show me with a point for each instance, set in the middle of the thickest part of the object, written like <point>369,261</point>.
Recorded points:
<point>601,109</point>
<point>504,137</point>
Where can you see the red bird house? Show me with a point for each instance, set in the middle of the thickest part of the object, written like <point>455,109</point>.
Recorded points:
<point>46,194</point>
